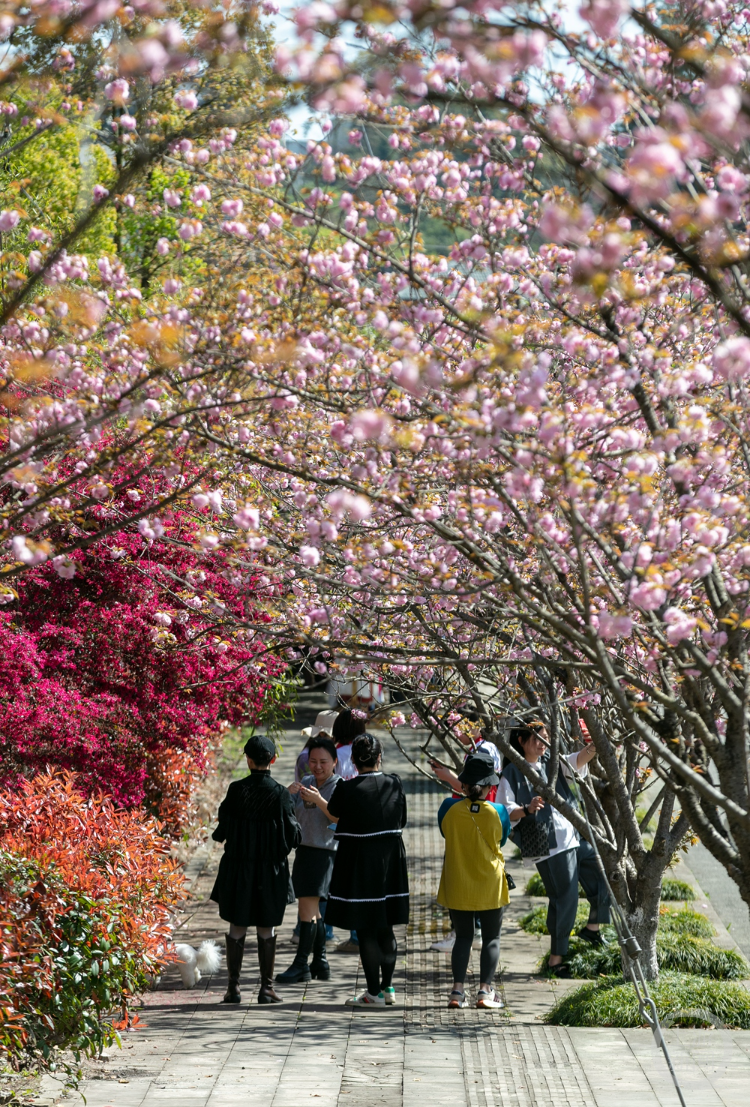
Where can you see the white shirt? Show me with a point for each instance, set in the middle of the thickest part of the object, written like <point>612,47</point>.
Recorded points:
<point>346,767</point>
<point>565,833</point>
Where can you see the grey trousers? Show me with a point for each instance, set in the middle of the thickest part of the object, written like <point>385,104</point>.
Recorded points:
<point>561,875</point>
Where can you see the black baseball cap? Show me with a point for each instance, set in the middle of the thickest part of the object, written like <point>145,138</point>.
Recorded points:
<point>479,770</point>
<point>260,749</point>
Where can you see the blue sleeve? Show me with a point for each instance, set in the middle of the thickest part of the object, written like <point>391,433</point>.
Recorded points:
<point>445,807</point>
<point>505,821</point>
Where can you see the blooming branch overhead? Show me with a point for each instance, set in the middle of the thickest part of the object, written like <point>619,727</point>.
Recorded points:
<point>462,384</point>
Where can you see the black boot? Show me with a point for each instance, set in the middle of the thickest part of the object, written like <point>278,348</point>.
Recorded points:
<point>320,969</point>
<point>235,951</point>
<point>299,972</point>
<point>266,960</point>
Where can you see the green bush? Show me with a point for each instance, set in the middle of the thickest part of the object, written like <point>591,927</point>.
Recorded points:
<point>677,889</point>
<point>87,894</point>
<point>700,957</point>
<point>670,889</point>
<point>681,999</point>
<point>535,922</point>
<point>679,953</point>
<point>685,921</point>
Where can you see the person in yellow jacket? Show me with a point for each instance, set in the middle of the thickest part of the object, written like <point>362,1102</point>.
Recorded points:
<point>473,882</point>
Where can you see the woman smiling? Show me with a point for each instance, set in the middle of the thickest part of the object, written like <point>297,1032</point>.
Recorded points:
<point>313,864</point>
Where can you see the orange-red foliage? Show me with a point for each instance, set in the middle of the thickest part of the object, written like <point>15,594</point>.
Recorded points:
<point>86,892</point>
<point>171,785</point>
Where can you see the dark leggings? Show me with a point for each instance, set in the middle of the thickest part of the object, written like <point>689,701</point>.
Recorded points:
<point>463,924</point>
<point>377,949</point>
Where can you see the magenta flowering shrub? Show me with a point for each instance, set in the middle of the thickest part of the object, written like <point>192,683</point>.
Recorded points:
<point>108,671</point>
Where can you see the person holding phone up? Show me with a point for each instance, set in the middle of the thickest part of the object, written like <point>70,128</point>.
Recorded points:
<point>548,840</point>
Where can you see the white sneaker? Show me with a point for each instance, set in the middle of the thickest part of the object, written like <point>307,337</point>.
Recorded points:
<point>364,999</point>
<point>445,945</point>
<point>477,942</point>
<point>489,999</point>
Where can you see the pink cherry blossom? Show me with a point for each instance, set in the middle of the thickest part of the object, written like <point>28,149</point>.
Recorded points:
<point>117,91</point>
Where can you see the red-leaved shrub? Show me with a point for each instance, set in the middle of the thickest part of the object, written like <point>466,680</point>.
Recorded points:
<point>108,672</point>
<point>86,893</point>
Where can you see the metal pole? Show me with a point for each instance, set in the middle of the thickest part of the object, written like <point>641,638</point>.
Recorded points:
<point>629,944</point>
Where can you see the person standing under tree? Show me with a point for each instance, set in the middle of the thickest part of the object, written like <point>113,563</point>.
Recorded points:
<point>473,742</point>
<point>313,863</point>
<point>473,882</point>
<point>348,726</point>
<point>370,887</point>
<point>259,829</point>
<point>561,856</point>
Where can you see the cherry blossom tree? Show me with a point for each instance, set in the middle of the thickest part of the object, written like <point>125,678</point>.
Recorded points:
<point>512,474</point>
<point>516,474</point>
<point>94,222</point>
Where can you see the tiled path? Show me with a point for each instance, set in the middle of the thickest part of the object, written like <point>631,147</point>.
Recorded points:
<point>312,1050</point>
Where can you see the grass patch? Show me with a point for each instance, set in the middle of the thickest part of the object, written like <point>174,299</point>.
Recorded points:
<point>670,888</point>
<point>683,944</point>
<point>535,922</point>
<point>700,957</point>
<point>676,953</point>
<point>682,922</point>
<point>683,1000</point>
<point>685,921</point>
<point>535,887</point>
<point>677,889</point>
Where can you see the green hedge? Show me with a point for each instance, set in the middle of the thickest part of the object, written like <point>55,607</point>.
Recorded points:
<point>680,953</point>
<point>680,999</point>
<point>683,944</point>
<point>671,889</point>
<point>683,921</point>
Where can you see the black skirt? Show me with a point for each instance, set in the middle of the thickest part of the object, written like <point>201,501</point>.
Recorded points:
<point>311,875</point>
<point>370,885</point>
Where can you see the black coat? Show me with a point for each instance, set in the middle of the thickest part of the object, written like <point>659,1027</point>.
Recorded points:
<point>370,886</point>
<point>259,829</point>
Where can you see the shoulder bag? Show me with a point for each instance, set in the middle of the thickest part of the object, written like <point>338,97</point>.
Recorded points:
<point>533,837</point>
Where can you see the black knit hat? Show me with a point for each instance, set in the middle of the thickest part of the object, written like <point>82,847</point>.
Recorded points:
<point>479,770</point>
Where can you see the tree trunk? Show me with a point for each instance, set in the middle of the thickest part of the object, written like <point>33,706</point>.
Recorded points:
<point>643,922</point>
<point>642,911</point>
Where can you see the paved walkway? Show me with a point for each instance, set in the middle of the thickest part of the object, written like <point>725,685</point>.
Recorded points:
<point>310,1049</point>
<point>716,883</point>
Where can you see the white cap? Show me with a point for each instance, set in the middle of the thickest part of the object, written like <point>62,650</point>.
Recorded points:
<point>324,722</point>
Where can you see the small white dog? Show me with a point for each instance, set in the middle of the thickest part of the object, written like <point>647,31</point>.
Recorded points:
<point>193,963</point>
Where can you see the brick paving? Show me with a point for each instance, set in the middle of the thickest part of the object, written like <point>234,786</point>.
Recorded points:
<point>311,1049</point>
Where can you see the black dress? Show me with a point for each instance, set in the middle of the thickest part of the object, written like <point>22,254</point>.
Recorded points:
<point>370,885</point>
<point>259,829</point>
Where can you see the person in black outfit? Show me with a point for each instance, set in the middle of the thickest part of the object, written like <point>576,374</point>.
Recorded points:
<point>259,828</point>
<point>369,889</point>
